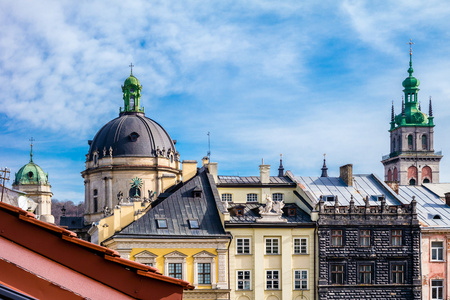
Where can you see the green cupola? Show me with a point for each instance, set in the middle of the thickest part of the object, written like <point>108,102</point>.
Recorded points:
<point>411,114</point>
<point>131,94</point>
<point>31,173</point>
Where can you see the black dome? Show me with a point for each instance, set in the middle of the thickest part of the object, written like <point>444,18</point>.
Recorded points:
<point>132,134</point>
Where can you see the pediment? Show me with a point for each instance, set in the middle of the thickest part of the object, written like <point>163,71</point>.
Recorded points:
<point>204,254</point>
<point>145,254</point>
<point>175,254</point>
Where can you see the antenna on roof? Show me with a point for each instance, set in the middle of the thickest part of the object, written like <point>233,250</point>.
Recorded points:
<point>209,147</point>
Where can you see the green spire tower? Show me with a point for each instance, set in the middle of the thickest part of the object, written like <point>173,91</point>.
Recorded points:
<point>412,159</point>
<point>131,94</point>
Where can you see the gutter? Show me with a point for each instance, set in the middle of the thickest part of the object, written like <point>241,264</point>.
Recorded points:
<point>315,264</point>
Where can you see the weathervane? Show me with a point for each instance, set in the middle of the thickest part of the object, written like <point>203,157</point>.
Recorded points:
<point>131,66</point>
<point>410,43</point>
<point>31,153</point>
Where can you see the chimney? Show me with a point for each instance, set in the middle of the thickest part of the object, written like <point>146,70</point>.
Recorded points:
<point>447,198</point>
<point>189,169</point>
<point>264,173</point>
<point>393,185</point>
<point>205,161</point>
<point>213,170</point>
<point>346,174</point>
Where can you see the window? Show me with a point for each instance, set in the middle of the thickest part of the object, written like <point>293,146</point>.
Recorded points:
<point>175,270</point>
<point>364,238</point>
<point>424,142</point>
<point>134,192</point>
<point>272,246</point>
<point>437,251</point>
<point>95,201</point>
<point>193,224</point>
<point>162,223</point>
<point>300,279</point>
<point>243,280</point>
<point>239,212</point>
<point>337,274</point>
<point>204,273</point>
<point>300,246</point>
<point>336,238</point>
<point>365,274</point>
<point>328,198</point>
<point>252,197</point>
<point>227,197</point>
<point>291,212</point>
<point>398,273</point>
<point>277,197</point>
<point>272,280</point>
<point>242,246</point>
<point>437,289</point>
<point>146,257</point>
<point>410,142</point>
<point>396,237</point>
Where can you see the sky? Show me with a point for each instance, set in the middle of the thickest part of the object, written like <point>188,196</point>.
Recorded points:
<point>301,78</point>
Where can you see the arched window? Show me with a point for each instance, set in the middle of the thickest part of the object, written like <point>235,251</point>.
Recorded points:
<point>395,175</point>
<point>412,175</point>
<point>424,142</point>
<point>427,174</point>
<point>389,175</point>
<point>410,142</point>
<point>134,192</point>
<point>95,200</point>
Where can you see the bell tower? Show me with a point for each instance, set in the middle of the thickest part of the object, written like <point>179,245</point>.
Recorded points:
<point>412,160</point>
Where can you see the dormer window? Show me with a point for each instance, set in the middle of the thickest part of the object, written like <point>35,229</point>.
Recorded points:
<point>193,224</point>
<point>291,212</point>
<point>30,174</point>
<point>162,223</point>
<point>133,136</point>
<point>239,211</point>
<point>436,217</point>
<point>197,192</point>
<point>328,198</point>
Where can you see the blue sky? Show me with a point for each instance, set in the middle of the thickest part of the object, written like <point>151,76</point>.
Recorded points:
<point>300,78</point>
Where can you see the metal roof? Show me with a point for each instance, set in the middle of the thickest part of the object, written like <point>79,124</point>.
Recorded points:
<point>177,209</point>
<point>223,180</point>
<point>251,213</point>
<point>429,205</point>
<point>363,186</point>
<point>438,188</point>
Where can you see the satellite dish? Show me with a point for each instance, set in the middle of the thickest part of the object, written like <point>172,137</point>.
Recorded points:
<point>23,202</point>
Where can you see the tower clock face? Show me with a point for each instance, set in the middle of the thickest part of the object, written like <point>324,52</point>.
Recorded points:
<point>136,182</point>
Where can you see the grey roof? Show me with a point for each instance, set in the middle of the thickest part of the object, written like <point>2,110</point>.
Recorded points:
<point>116,134</point>
<point>428,205</point>
<point>251,213</point>
<point>438,188</point>
<point>177,209</point>
<point>275,180</point>
<point>363,186</point>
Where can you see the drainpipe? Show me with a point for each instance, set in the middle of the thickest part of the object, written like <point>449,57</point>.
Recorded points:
<point>228,254</point>
<point>315,265</point>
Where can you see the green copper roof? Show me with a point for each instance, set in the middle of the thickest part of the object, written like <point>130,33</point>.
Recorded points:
<point>131,95</point>
<point>411,114</point>
<point>31,173</point>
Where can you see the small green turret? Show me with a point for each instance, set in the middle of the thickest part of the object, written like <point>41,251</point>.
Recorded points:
<point>131,94</point>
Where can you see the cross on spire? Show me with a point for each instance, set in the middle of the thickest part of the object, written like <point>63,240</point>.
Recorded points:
<point>31,152</point>
<point>131,66</point>
<point>410,43</point>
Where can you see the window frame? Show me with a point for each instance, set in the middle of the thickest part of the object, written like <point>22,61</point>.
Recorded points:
<point>226,196</point>
<point>334,235</point>
<point>252,195</point>
<point>436,289</point>
<point>273,280</point>
<point>243,246</point>
<point>438,249</point>
<point>271,246</point>
<point>276,196</point>
<point>301,280</point>
<point>194,224</point>
<point>363,236</point>
<point>201,276</point>
<point>371,272</point>
<point>395,237</point>
<point>244,280</point>
<point>300,246</point>
<point>159,225</point>
<point>343,276</point>
<point>392,272</point>
<point>174,265</point>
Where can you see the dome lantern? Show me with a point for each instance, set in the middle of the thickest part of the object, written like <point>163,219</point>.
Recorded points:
<point>131,94</point>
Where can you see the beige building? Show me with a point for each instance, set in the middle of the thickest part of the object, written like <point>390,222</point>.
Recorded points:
<point>272,255</point>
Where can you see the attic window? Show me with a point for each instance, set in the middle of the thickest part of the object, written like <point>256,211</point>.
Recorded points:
<point>291,212</point>
<point>377,197</point>
<point>30,174</point>
<point>193,224</point>
<point>239,212</point>
<point>162,223</point>
<point>436,217</point>
<point>197,192</point>
<point>134,136</point>
<point>328,198</point>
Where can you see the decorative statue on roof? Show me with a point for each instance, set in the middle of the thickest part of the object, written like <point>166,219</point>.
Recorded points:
<point>268,207</point>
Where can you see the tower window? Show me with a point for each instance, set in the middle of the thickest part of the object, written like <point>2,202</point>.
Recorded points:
<point>30,174</point>
<point>424,142</point>
<point>410,142</point>
<point>95,200</point>
<point>134,192</point>
<point>412,181</point>
<point>132,102</point>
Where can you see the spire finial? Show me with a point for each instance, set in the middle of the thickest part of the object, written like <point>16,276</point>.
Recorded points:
<point>410,70</point>
<point>324,167</point>
<point>31,152</point>
<point>131,66</point>
<point>392,112</point>
<point>281,168</point>
<point>430,112</point>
